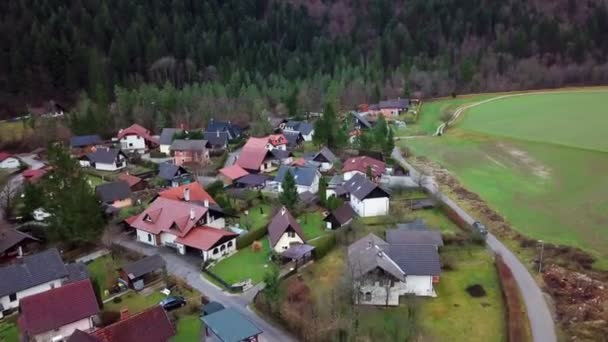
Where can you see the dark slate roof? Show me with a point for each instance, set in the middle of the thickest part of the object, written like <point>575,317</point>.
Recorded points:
<point>12,237</point>
<point>81,336</point>
<point>85,140</point>
<point>113,191</point>
<point>103,155</point>
<point>292,138</point>
<point>396,103</point>
<point>216,138</point>
<point>416,259</point>
<point>342,214</point>
<point>168,171</point>
<point>188,145</point>
<point>406,236</point>
<point>280,223</point>
<point>336,180</point>
<point>252,179</point>
<point>368,253</point>
<point>300,126</point>
<point>304,176</point>
<point>308,197</point>
<point>230,326</point>
<point>325,153</point>
<point>360,187</point>
<point>281,154</point>
<point>297,251</point>
<point>33,270</point>
<point>166,136</point>
<point>362,120</point>
<point>416,224</point>
<point>212,307</point>
<point>144,266</point>
<point>77,271</point>
<point>222,126</point>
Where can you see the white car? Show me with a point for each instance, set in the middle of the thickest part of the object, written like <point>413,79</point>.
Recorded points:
<point>40,214</point>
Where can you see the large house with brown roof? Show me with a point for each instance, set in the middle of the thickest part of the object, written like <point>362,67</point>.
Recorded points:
<point>362,165</point>
<point>189,151</point>
<point>186,219</point>
<point>255,156</point>
<point>284,231</point>
<point>136,138</point>
<point>55,314</point>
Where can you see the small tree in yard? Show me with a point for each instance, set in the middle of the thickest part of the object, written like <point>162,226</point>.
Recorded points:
<point>289,196</point>
<point>389,143</point>
<point>323,191</point>
<point>33,198</point>
<point>272,285</point>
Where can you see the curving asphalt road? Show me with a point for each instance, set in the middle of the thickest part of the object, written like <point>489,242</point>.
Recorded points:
<point>539,315</point>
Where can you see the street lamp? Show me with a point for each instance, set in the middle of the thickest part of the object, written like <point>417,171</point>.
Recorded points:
<point>540,260</point>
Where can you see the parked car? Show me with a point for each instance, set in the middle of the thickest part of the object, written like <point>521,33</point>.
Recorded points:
<point>480,228</point>
<point>40,214</point>
<point>172,302</point>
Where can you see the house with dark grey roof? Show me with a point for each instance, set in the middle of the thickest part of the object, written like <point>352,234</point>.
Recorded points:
<point>340,217</point>
<point>365,197</point>
<point>33,274</point>
<point>294,139</point>
<point>14,243</point>
<point>384,271</point>
<point>284,231</point>
<point>189,151</point>
<point>104,159</point>
<point>217,141</point>
<point>143,271</point>
<point>306,129</point>
<point>326,159</point>
<point>233,131</point>
<point>84,143</point>
<point>229,325</point>
<point>116,194</point>
<point>390,108</point>
<point>174,175</point>
<point>306,178</point>
<point>166,139</point>
<point>360,121</point>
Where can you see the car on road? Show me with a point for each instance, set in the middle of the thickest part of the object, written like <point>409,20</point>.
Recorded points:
<point>172,302</point>
<point>480,228</point>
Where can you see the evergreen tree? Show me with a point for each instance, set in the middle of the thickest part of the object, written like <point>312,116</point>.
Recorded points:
<point>289,196</point>
<point>380,131</point>
<point>323,190</point>
<point>33,198</point>
<point>292,105</point>
<point>389,143</point>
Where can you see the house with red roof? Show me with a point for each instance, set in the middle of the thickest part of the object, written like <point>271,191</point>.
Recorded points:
<point>186,219</point>
<point>276,142</point>
<point>231,173</point>
<point>33,176</point>
<point>55,314</point>
<point>151,325</point>
<point>136,138</point>
<point>7,161</point>
<point>361,165</point>
<point>284,231</point>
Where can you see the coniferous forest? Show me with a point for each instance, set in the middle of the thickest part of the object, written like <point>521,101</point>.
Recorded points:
<point>353,50</point>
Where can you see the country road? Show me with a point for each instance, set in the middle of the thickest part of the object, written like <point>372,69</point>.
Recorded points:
<point>539,315</point>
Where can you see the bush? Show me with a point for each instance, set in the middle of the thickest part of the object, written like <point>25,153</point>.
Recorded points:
<point>323,245</point>
<point>116,300</point>
<point>157,154</point>
<point>247,239</point>
<point>108,317</point>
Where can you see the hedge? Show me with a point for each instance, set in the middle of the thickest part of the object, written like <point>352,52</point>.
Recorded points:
<point>247,239</point>
<point>324,245</point>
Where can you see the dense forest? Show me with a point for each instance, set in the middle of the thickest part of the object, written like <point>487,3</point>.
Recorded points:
<point>360,50</point>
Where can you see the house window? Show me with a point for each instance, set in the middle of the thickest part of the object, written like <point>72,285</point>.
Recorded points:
<point>147,218</point>
<point>149,237</point>
<point>12,297</point>
<point>130,144</point>
<point>291,234</point>
<point>222,248</point>
<point>285,247</point>
<point>368,296</point>
<point>229,244</point>
<point>215,251</point>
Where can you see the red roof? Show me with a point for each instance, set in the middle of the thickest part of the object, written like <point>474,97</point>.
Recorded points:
<point>277,139</point>
<point>281,223</point>
<point>361,163</point>
<point>130,179</point>
<point>4,155</point>
<point>151,325</point>
<point>204,238</point>
<point>57,307</point>
<point>251,158</point>
<point>131,219</point>
<point>197,193</point>
<point>256,143</point>
<point>33,176</point>
<point>168,215</point>
<point>299,162</point>
<point>233,172</point>
<point>136,129</point>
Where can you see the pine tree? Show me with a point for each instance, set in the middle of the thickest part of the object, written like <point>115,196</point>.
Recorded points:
<point>389,144</point>
<point>323,190</point>
<point>289,196</point>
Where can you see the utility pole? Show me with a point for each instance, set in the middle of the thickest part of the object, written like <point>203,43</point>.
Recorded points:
<point>540,260</point>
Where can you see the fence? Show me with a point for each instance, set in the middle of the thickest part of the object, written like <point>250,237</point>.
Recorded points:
<point>222,282</point>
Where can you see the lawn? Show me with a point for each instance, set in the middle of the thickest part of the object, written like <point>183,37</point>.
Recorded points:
<point>8,330</point>
<point>545,190</point>
<point>94,180</point>
<point>104,271</point>
<point>188,329</point>
<point>435,219</point>
<point>244,264</point>
<point>454,312</point>
<point>312,225</point>
<point>135,302</point>
<point>258,217</point>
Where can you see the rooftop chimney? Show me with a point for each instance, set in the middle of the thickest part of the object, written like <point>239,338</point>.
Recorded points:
<point>283,210</point>
<point>218,133</point>
<point>124,314</point>
<point>369,244</point>
<point>187,194</point>
<point>192,214</point>
<point>206,203</point>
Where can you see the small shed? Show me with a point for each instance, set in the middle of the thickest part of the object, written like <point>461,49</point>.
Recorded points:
<point>229,325</point>
<point>340,217</point>
<point>299,254</point>
<point>143,271</point>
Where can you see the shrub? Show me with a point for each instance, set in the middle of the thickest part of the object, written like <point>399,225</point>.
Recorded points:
<point>256,246</point>
<point>116,300</point>
<point>247,239</point>
<point>157,154</point>
<point>108,317</point>
<point>324,245</point>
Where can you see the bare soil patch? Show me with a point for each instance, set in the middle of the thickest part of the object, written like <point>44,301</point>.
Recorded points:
<point>476,291</point>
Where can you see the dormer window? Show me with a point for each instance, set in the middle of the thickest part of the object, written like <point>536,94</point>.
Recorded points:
<point>147,218</point>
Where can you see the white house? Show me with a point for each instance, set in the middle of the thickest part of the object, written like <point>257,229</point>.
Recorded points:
<point>304,128</point>
<point>34,274</point>
<point>55,314</point>
<point>8,162</point>
<point>306,178</point>
<point>383,271</point>
<point>166,139</point>
<point>104,159</point>
<point>365,197</point>
<point>284,231</point>
<point>276,141</point>
<point>136,138</point>
<point>326,159</point>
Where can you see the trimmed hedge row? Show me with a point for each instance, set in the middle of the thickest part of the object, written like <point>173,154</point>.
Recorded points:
<point>247,239</point>
<point>324,245</point>
<point>516,312</point>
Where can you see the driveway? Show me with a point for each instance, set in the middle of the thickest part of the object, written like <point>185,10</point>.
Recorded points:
<point>232,157</point>
<point>541,321</point>
<point>187,267</point>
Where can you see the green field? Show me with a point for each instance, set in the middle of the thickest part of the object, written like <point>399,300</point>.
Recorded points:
<point>536,163</point>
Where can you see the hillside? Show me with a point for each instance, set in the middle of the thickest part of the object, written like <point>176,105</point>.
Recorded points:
<point>53,49</point>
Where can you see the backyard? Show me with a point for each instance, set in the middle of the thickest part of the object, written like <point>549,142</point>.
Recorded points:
<point>547,189</point>
<point>312,225</point>
<point>245,264</point>
<point>258,217</point>
<point>103,270</point>
<point>8,329</point>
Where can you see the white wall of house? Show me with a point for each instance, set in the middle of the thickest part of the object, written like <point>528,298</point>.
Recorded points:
<point>9,163</point>
<point>285,241</point>
<point>271,147</point>
<point>168,239</point>
<point>308,137</point>
<point>109,167</point>
<point>145,237</point>
<point>371,206</point>
<point>84,163</point>
<point>421,286</point>
<point>65,331</point>
<point>221,251</point>
<point>326,166</point>
<point>133,142</point>
<point>217,223</point>
<point>165,149</point>
<point>8,304</point>
<point>348,175</point>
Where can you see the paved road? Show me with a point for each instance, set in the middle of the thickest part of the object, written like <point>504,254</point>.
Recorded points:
<point>541,321</point>
<point>187,268</point>
<point>232,157</point>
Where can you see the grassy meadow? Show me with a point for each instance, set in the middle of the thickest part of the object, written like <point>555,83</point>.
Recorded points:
<point>539,160</point>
